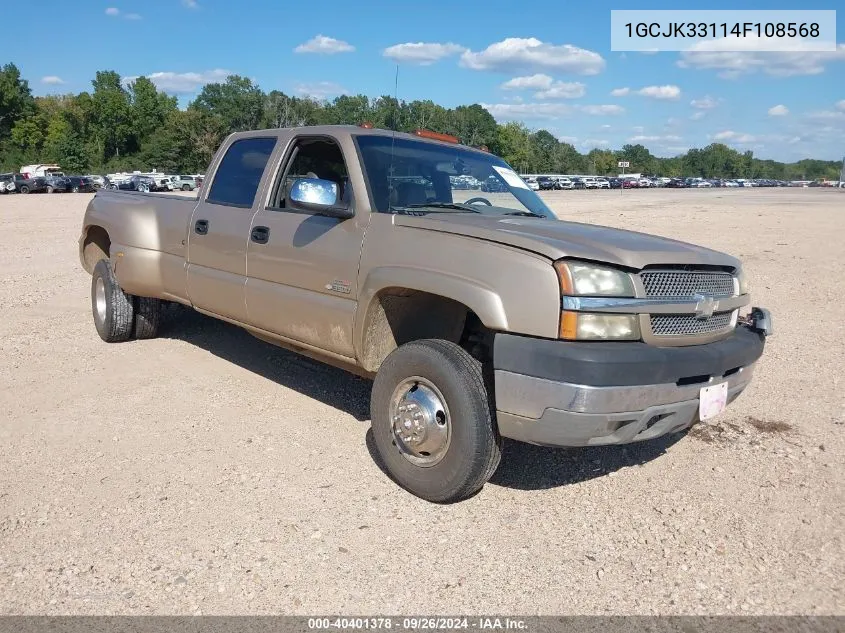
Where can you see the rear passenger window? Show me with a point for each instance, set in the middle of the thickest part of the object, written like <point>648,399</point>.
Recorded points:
<point>239,174</point>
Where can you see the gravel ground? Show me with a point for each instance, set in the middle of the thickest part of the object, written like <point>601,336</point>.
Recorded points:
<point>207,472</point>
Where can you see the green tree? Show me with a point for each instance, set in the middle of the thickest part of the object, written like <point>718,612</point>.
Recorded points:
<point>640,158</point>
<point>15,99</point>
<point>237,102</point>
<point>150,107</point>
<point>112,115</point>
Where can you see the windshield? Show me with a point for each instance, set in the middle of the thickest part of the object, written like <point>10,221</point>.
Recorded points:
<point>429,178</point>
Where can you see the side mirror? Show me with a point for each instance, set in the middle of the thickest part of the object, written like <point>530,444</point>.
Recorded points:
<point>318,196</point>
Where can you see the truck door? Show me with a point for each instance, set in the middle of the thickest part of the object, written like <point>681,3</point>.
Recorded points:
<point>220,225</point>
<point>302,267</point>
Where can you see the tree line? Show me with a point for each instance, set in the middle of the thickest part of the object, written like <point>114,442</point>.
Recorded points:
<point>124,126</point>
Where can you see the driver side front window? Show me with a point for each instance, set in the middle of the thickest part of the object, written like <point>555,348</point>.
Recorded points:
<point>314,158</point>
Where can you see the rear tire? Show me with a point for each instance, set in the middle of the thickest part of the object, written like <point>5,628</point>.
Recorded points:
<point>186,187</point>
<point>473,448</point>
<point>147,317</point>
<point>112,308</point>
<point>24,189</point>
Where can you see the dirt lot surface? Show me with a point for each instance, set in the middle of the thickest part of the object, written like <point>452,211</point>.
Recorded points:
<point>207,472</point>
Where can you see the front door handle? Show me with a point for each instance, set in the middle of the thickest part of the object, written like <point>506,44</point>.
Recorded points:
<point>201,227</point>
<point>260,234</point>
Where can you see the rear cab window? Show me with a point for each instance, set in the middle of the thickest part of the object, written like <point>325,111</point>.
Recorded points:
<point>239,174</point>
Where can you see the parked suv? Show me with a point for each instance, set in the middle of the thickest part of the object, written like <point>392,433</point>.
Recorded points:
<point>185,183</point>
<point>81,184</point>
<point>30,185</point>
<point>546,183</point>
<point>57,184</point>
<point>7,183</point>
<point>138,183</point>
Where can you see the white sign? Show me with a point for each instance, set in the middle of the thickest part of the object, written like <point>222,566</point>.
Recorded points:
<point>510,177</point>
<point>623,163</point>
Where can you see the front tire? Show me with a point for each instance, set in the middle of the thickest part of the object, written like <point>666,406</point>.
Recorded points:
<point>186,187</point>
<point>432,421</point>
<point>112,308</point>
<point>24,189</point>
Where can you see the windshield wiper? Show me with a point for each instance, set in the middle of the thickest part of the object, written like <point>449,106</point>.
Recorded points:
<point>449,206</point>
<point>527,214</point>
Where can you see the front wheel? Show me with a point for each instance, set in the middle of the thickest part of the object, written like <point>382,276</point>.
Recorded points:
<point>432,421</point>
<point>24,189</point>
<point>113,309</point>
<point>186,187</point>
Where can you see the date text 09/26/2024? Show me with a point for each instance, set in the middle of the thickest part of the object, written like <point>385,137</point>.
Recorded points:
<point>418,623</point>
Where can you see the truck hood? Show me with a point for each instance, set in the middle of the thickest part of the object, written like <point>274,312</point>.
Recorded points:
<point>556,239</point>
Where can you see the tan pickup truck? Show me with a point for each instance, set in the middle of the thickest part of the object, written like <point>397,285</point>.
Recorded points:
<point>432,268</point>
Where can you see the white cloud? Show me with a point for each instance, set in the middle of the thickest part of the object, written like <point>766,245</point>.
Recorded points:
<point>546,87</point>
<point>112,11</point>
<point>802,59</point>
<point>654,92</point>
<point>563,90</point>
<point>660,92</point>
<point>132,16</point>
<point>324,46</point>
<point>594,143</point>
<point>422,53</point>
<point>52,80</point>
<point>734,137</point>
<point>600,110</point>
<point>320,90</point>
<point>515,54</point>
<point>828,115</point>
<point>706,103</point>
<point>184,83</point>
<point>642,138</point>
<point>530,82</point>
<point>606,126</point>
<point>697,116</point>
<point>115,13</point>
<point>778,110</point>
<point>840,105</point>
<point>527,111</point>
<point>191,4</point>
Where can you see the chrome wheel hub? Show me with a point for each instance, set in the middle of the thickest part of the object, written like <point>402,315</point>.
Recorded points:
<point>100,299</point>
<point>420,421</point>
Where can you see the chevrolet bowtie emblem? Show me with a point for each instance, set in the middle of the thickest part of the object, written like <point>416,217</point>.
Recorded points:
<point>704,306</point>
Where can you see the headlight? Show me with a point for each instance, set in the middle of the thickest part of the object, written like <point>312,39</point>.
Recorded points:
<point>742,282</point>
<point>586,326</point>
<point>577,278</point>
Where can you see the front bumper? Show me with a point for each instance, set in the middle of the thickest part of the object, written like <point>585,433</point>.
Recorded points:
<point>558,393</point>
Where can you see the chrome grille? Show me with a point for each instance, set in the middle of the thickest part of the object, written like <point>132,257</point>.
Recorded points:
<point>681,283</point>
<point>688,325</point>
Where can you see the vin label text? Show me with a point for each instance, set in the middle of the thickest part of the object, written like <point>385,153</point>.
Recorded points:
<point>709,31</point>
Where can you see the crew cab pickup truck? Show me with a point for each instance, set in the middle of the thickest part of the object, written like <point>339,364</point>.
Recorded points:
<point>478,315</point>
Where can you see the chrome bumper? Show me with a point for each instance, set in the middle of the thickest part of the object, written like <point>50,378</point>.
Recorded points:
<point>552,413</point>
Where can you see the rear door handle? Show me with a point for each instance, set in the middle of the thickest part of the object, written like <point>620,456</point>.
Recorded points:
<point>260,234</point>
<point>201,227</point>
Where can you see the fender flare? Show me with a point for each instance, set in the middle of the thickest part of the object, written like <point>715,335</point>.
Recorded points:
<point>479,298</point>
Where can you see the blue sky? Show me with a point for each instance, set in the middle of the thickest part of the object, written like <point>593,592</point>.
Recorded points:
<point>545,63</point>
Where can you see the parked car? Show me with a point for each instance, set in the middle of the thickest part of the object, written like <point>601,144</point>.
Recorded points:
<point>590,182</point>
<point>578,183</point>
<point>493,185</point>
<point>58,184</point>
<point>704,184</point>
<point>473,327</point>
<point>97,181</point>
<point>532,183</point>
<point>565,183</point>
<point>137,183</point>
<point>81,184</point>
<point>602,183</point>
<point>186,183</point>
<point>615,183</point>
<point>546,183</point>
<point>7,183</point>
<point>675,183</point>
<point>630,183</point>
<point>38,184</point>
